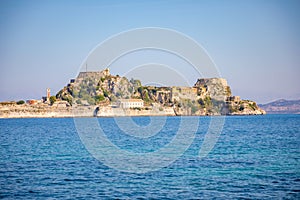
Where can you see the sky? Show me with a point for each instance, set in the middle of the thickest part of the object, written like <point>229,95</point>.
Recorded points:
<point>254,44</point>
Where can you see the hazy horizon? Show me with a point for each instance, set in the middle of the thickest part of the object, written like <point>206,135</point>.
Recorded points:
<point>255,45</point>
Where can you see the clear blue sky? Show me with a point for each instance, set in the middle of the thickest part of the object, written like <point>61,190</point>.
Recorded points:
<point>255,44</point>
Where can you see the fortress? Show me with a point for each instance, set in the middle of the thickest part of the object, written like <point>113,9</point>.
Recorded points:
<point>102,94</point>
<point>208,96</point>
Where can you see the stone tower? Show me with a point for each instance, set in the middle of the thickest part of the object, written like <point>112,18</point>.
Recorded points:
<point>48,94</point>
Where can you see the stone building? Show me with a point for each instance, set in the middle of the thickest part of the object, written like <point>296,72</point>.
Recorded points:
<point>130,103</point>
<point>94,75</point>
<point>178,93</point>
<point>234,99</point>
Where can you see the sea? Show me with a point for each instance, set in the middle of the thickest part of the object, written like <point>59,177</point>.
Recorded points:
<point>250,157</point>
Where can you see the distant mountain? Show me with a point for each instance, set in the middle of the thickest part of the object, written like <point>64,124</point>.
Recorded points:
<point>282,106</point>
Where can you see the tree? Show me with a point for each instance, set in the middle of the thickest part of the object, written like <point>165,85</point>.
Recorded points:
<point>78,101</point>
<point>99,98</point>
<point>140,90</point>
<point>105,93</point>
<point>146,96</point>
<point>52,100</point>
<point>68,98</point>
<point>20,102</point>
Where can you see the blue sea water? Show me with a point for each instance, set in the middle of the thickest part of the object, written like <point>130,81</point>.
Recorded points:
<point>255,157</point>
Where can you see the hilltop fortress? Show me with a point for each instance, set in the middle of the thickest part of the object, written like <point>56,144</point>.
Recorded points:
<point>108,93</point>
<point>102,94</point>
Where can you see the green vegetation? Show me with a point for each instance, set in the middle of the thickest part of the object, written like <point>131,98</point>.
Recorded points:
<point>253,105</point>
<point>91,101</point>
<point>201,102</point>
<point>99,98</point>
<point>75,93</point>
<point>113,98</point>
<point>194,109</point>
<point>146,96</point>
<point>228,91</point>
<point>20,102</point>
<point>206,102</point>
<point>52,100</point>
<point>241,108</point>
<point>119,94</point>
<point>137,108</point>
<point>68,98</point>
<point>153,90</point>
<point>130,89</point>
<point>217,106</point>
<point>232,109</point>
<point>78,101</point>
<point>136,83</point>
<point>191,104</point>
<point>140,90</point>
<point>105,93</point>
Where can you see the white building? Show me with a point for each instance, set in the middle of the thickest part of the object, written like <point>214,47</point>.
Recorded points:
<point>130,103</point>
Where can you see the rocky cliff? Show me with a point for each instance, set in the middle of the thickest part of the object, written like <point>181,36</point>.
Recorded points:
<point>210,96</point>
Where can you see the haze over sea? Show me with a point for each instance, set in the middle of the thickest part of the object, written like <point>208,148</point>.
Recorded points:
<point>255,157</point>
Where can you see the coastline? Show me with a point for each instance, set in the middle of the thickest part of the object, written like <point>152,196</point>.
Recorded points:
<point>100,94</point>
<point>47,111</point>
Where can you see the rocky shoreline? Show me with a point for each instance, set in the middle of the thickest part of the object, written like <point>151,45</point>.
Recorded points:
<point>48,111</point>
